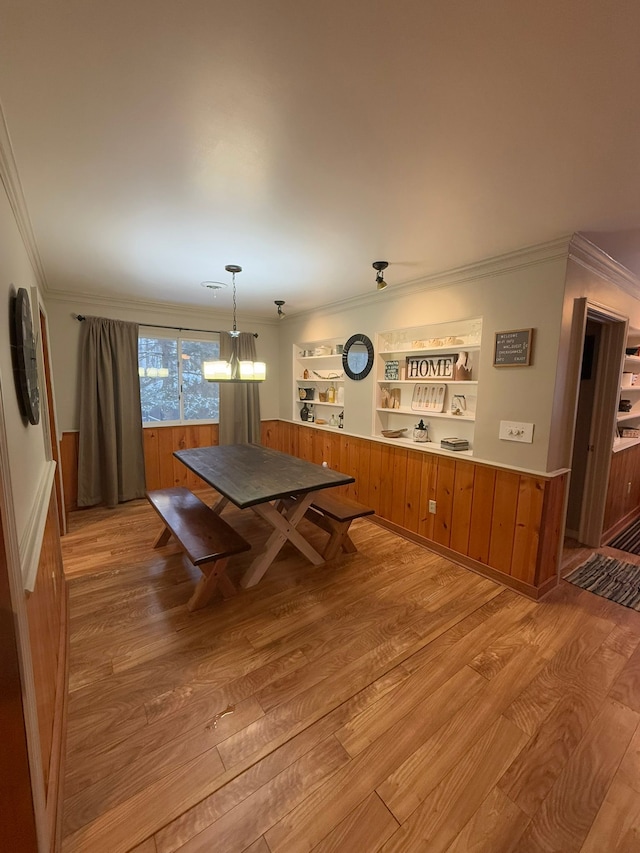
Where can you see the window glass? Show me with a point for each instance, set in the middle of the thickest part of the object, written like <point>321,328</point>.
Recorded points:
<point>172,387</point>
<point>199,397</point>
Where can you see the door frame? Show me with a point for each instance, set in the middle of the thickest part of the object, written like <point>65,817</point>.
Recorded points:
<point>603,417</point>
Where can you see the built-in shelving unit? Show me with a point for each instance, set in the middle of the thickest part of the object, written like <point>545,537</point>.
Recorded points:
<point>629,390</point>
<point>319,377</point>
<point>428,373</point>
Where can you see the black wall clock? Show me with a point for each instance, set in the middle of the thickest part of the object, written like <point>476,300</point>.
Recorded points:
<point>26,359</point>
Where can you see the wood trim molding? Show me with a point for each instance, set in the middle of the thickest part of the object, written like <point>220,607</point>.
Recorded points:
<point>466,562</point>
<point>11,181</point>
<point>165,309</point>
<point>31,542</point>
<point>523,258</point>
<point>589,256</point>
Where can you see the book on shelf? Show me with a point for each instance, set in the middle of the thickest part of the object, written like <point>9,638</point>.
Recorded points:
<point>454,444</point>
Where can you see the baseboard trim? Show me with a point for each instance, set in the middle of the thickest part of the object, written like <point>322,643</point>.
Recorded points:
<point>620,525</point>
<point>465,562</point>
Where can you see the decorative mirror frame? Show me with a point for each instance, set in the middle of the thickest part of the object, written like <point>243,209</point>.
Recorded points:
<point>357,339</point>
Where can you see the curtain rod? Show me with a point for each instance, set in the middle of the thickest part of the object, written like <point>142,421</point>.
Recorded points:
<point>81,317</point>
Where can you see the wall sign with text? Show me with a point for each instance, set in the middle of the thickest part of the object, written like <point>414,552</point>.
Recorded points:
<point>431,367</point>
<point>513,348</point>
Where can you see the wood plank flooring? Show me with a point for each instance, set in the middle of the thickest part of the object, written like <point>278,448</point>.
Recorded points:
<point>386,701</point>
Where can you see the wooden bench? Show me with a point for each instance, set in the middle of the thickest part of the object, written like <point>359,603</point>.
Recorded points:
<point>334,513</point>
<point>206,539</point>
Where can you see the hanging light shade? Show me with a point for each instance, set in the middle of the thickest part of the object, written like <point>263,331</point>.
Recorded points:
<point>234,370</point>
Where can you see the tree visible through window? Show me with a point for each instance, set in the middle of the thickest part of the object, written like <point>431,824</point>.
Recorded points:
<point>172,387</point>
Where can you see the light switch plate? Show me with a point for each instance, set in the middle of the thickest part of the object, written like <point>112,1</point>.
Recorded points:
<point>516,431</point>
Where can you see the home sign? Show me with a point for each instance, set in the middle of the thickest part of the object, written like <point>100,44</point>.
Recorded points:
<point>438,366</point>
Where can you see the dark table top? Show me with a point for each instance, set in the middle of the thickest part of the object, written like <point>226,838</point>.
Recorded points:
<point>249,474</point>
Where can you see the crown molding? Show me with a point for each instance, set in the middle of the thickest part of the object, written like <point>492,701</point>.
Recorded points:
<point>529,256</point>
<point>13,187</point>
<point>76,298</point>
<point>591,257</point>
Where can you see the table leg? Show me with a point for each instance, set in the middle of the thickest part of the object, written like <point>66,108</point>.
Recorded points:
<point>284,530</point>
<point>220,504</point>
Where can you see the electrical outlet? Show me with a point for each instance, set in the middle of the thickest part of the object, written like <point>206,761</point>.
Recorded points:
<point>432,506</point>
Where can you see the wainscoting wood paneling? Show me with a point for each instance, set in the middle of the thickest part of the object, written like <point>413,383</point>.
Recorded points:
<point>623,492</point>
<point>503,522</point>
<point>46,613</point>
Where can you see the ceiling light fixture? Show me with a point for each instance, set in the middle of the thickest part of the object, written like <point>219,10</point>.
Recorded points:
<point>213,285</point>
<point>379,266</point>
<point>234,370</point>
<point>279,303</point>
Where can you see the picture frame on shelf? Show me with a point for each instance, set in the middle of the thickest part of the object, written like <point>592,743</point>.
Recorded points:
<point>392,370</point>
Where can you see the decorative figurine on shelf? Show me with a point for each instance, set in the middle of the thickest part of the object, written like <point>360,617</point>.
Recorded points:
<point>421,431</point>
<point>462,368</point>
<point>341,420</point>
<point>311,418</point>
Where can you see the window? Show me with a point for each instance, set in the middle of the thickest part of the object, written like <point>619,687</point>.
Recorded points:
<point>172,388</point>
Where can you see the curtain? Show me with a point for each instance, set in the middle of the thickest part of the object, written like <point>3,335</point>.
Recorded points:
<point>111,453</point>
<point>239,401</point>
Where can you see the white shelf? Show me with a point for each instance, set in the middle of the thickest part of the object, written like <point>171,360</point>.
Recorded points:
<point>429,382</point>
<point>334,356</point>
<point>624,443</point>
<point>319,380</point>
<point>627,416</point>
<point>421,413</point>
<point>446,348</point>
<point>632,360</point>
<point>624,389</point>
<point>321,403</point>
<point>432,446</point>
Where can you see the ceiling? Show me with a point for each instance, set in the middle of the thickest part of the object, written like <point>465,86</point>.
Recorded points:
<point>158,140</point>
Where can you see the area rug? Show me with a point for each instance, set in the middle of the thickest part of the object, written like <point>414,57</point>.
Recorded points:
<point>629,539</point>
<point>609,578</point>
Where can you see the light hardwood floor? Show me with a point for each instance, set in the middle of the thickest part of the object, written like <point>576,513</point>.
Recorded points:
<point>386,701</point>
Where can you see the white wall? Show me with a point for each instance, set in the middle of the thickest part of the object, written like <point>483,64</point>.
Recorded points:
<point>27,455</point>
<point>64,333</point>
<point>523,290</point>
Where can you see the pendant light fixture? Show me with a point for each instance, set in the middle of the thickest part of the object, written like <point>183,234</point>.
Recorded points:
<point>379,266</point>
<point>279,303</point>
<point>234,370</point>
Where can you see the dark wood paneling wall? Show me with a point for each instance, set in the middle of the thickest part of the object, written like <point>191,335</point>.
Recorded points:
<point>500,521</point>
<point>623,491</point>
<point>18,829</point>
<point>46,613</point>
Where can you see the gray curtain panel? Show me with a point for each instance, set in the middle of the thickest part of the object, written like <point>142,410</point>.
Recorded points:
<point>111,453</point>
<point>239,401</point>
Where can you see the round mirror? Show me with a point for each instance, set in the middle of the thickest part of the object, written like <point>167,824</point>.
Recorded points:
<point>357,356</point>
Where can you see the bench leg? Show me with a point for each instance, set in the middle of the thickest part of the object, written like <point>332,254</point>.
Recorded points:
<point>162,538</point>
<point>212,574</point>
<point>338,539</point>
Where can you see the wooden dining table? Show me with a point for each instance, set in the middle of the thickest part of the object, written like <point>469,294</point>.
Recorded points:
<point>261,479</point>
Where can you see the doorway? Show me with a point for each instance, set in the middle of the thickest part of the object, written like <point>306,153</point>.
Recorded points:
<point>603,340</point>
